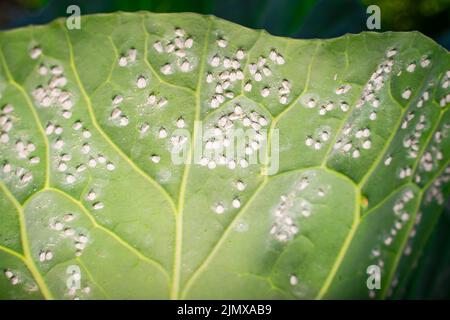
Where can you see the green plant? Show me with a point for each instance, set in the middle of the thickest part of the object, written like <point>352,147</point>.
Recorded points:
<point>91,195</point>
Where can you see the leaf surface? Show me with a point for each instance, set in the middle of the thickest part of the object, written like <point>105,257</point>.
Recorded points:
<point>93,205</point>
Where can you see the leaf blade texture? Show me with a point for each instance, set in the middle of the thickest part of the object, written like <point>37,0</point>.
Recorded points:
<point>93,207</point>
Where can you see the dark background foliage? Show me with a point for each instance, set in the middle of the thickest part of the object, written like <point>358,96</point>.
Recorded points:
<point>299,19</point>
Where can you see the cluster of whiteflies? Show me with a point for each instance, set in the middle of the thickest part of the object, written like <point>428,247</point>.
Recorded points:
<point>177,47</point>
<point>284,227</point>
<point>223,139</point>
<point>24,149</point>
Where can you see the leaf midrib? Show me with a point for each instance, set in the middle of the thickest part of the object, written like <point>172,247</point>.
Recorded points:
<point>174,292</point>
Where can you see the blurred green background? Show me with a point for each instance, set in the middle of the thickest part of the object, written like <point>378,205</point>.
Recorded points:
<point>299,19</point>
<point>294,18</point>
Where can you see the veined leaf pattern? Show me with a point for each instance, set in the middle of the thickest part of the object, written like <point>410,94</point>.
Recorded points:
<point>90,194</point>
